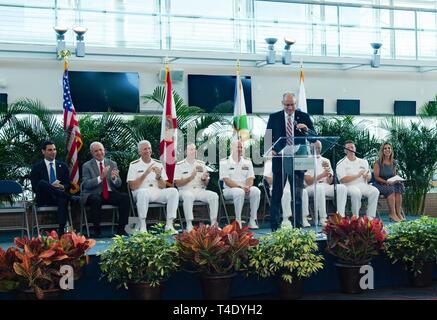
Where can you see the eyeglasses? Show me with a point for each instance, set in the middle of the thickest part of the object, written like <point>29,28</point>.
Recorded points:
<point>289,104</point>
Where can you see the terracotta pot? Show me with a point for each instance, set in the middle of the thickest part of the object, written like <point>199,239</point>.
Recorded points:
<point>349,276</point>
<point>290,291</point>
<point>217,287</point>
<point>143,291</point>
<point>50,294</point>
<point>423,279</point>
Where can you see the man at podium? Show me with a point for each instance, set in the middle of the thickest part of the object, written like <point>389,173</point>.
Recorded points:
<point>287,123</point>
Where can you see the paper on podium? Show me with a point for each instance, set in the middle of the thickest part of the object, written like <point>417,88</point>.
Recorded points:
<point>289,150</point>
<point>396,178</point>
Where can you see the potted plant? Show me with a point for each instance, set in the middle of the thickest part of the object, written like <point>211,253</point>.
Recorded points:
<point>414,243</point>
<point>288,254</point>
<point>217,254</point>
<point>355,242</point>
<point>140,263</point>
<point>33,266</point>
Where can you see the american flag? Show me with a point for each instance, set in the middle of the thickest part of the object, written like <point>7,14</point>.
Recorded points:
<point>71,128</point>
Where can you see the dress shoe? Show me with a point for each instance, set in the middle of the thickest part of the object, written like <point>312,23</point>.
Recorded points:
<point>171,229</point>
<point>252,224</point>
<point>305,223</point>
<point>286,224</point>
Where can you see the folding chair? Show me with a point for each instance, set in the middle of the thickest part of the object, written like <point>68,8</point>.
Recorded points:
<point>224,202</point>
<point>162,217</point>
<point>10,188</point>
<point>105,207</point>
<point>264,185</point>
<point>44,209</point>
<point>196,203</point>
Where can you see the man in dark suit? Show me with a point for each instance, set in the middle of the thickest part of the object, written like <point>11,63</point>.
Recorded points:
<point>100,179</point>
<point>288,124</point>
<point>51,183</point>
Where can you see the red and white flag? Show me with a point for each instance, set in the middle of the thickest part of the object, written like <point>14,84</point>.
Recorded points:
<point>169,124</point>
<point>302,98</point>
<point>71,128</point>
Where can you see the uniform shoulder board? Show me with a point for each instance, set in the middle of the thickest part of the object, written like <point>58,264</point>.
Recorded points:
<point>247,159</point>
<point>201,162</point>
<point>180,162</point>
<point>135,161</point>
<point>156,160</point>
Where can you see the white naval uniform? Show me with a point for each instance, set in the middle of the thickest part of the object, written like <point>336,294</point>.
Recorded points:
<point>358,187</point>
<point>325,189</point>
<point>149,190</point>
<point>195,189</point>
<point>286,195</point>
<point>239,173</point>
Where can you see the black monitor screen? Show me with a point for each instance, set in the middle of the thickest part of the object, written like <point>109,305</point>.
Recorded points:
<point>315,106</point>
<point>104,91</point>
<point>405,108</point>
<point>216,93</point>
<point>348,107</point>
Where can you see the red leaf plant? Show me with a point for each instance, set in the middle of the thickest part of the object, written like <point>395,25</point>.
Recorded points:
<point>355,240</point>
<point>212,250</point>
<point>34,263</point>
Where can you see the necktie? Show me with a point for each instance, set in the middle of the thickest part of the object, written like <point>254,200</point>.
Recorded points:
<point>105,191</point>
<point>290,131</point>
<point>52,177</point>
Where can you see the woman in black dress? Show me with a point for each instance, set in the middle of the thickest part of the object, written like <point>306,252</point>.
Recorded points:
<point>384,169</point>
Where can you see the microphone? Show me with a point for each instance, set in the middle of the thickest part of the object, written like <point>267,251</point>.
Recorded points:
<point>304,132</point>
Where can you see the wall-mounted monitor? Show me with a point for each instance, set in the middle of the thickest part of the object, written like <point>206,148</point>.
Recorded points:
<point>405,108</point>
<point>315,106</point>
<point>348,107</point>
<point>216,93</point>
<point>105,91</point>
<point>3,100</point>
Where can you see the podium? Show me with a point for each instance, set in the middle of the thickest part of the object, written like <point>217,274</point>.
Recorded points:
<point>291,158</point>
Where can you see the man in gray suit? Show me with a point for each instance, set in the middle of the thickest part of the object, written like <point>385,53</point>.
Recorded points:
<point>100,179</point>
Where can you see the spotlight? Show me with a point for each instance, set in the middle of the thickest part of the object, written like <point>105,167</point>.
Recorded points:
<point>286,54</point>
<point>376,57</point>
<point>80,45</point>
<point>60,42</point>
<point>271,54</point>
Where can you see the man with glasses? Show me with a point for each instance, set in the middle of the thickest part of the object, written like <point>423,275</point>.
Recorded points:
<point>287,123</point>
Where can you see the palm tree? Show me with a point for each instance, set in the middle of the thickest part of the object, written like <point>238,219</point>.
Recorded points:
<point>429,109</point>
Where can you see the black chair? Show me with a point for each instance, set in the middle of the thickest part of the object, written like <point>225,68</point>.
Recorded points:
<point>12,189</point>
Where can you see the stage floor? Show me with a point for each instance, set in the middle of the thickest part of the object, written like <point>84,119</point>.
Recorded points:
<point>7,238</point>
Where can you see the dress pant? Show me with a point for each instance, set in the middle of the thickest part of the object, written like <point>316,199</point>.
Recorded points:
<point>47,195</point>
<point>144,196</point>
<point>188,197</point>
<point>356,191</point>
<point>121,200</point>
<point>279,181</point>
<point>323,190</point>
<point>238,195</point>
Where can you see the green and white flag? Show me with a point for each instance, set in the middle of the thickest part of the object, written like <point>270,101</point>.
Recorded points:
<point>240,121</point>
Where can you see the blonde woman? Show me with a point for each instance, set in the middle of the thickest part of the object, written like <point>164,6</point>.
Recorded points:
<point>384,169</point>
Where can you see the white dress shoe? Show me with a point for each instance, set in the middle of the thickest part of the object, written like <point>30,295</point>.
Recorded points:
<point>286,224</point>
<point>171,228</point>
<point>305,223</point>
<point>252,224</point>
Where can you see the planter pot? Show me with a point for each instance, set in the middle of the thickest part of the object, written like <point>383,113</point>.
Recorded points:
<point>290,291</point>
<point>349,276</point>
<point>217,287</point>
<point>423,279</point>
<point>143,291</point>
<point>50,294</point>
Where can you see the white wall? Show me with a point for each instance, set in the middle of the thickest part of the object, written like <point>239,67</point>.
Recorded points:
<point>377,89</point>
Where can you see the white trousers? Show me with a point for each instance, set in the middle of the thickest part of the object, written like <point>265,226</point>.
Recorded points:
<point>286,203</point>
<point>189,196</point>
<point>238,195</point>
<point>144,196</point>
<point>356,191</point>
<point>323,190</point>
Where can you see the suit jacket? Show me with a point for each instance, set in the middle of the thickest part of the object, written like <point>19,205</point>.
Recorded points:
<point>276,124</point>
<point>39,172</point>
<point>90,174</point>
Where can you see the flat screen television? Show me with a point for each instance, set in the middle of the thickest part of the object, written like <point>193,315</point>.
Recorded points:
<point>348,107</point>
<point>104,91</point>
<point>216,93</point>
<point>405,108</point>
